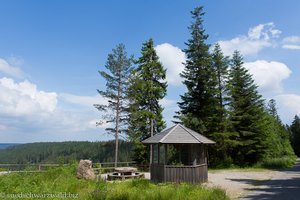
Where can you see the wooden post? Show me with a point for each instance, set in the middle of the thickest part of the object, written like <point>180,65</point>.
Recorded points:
<point>166,154</point>
<point>151,147</point>
<point>158,153</point>
<point>179,147</point>
<point>152,154</point>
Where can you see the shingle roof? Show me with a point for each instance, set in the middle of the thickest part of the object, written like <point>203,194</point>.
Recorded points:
<point>178,134</point>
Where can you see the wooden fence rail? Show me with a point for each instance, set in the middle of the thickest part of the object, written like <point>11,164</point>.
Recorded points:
<point>104,166</point>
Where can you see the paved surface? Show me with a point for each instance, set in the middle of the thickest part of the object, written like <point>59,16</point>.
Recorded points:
<point>283,186</point>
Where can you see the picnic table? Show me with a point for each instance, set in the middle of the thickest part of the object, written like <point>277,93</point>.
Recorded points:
<point>124,173</point>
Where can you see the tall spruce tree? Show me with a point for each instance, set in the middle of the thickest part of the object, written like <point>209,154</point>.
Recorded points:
<point>198,105</point>
<point>246,110</point>
<point>147,88</point>
<point>220,64</point>
<point>295,129</point>
<point>119,68</point>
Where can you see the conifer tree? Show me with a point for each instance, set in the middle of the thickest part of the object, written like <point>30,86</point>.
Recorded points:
<point>276,134</point>
<point>272,109</point>
<point>119,68</point>
<point>220,65</point>
<point>198,105</point>
<point>295,129</point>
<point>246,114</point>
<point>147,88</point>
<point>218,152</point>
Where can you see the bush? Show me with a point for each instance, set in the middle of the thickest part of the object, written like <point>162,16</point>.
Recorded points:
<point>278,163</point>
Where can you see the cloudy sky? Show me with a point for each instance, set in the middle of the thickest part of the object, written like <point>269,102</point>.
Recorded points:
<point>50,52</point>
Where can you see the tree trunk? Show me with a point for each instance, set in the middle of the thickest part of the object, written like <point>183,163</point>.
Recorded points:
<point>117,121</point>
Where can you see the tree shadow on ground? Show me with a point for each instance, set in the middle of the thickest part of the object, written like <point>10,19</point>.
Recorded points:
<point>286,186</point>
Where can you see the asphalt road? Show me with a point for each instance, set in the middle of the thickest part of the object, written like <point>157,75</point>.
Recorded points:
<point>284,186</point>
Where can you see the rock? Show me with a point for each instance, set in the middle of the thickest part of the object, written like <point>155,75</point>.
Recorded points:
<point>85,170</point>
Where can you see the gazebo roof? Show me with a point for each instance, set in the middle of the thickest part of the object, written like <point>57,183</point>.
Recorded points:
<point>178,134</point>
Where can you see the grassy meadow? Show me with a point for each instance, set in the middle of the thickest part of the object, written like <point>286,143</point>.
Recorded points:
<point>62,180</point>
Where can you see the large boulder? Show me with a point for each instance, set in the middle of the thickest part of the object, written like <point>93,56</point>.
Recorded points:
<point>85,170</point>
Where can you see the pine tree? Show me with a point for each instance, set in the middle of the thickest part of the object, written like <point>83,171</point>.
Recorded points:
<point>295,129</point>
<point>119,68</point>
<point>198,104</point>
<point>246,114</point>
<point>147,88</point>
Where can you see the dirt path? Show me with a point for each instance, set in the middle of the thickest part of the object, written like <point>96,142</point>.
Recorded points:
<point>284,185</point>
<point>237,183</point>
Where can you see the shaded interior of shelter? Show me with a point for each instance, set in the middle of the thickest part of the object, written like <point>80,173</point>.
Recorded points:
<point>179,154</point>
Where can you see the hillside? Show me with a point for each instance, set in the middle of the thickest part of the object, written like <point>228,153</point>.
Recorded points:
<point>64,152</point>
<point>6,145</point>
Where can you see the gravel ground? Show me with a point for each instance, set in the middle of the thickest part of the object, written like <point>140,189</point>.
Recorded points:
<point>284,185</point>
<point>238,183</point>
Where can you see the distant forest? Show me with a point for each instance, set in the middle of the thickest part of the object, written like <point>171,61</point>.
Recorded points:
<point>65,152</point>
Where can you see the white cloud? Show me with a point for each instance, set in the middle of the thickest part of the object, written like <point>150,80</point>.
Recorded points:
<point>28,114</point>
<point>24,99</point>
<point>268,75</point>
<point>291,39</point>
<point>7,69</point>
<point>172,58</point>
<point>170,107</point>
<point>289,106</point>
<point>87,101</point>
<point>258,37</point>
<point>291,46</point>
<point>168,103</point>
<point>291,42</point>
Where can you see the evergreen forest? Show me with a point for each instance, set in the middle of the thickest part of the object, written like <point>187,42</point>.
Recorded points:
<point>221,101</point>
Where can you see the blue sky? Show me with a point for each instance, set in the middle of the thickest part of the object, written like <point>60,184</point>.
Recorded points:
<point>50,52</point>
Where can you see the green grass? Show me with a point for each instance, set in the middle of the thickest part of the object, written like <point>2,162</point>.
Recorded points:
<point>62,179</point>
<point>143,189</point>
<point>278,163</point>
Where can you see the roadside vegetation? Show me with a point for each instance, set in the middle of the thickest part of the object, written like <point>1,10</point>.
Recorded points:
<point>63,180</point>
<point>277,163</point>
<point>267,164</point>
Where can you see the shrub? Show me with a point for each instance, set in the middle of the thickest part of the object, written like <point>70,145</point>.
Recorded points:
<point>278,163</point>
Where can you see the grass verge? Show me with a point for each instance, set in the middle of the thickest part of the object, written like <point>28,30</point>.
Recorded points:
<point>62,181</point>
<point>278,163</point>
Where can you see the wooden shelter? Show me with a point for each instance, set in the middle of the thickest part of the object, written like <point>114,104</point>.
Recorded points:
<point>179,155</point>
